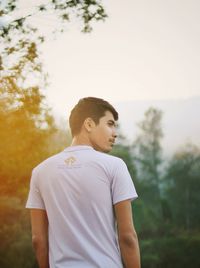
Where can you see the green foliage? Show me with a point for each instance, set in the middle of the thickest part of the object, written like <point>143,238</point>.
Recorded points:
<point>123,151</point>
<point>21,36</point>
<point>167,212</point>
<point>177,251</point>
<point>147,151</point>
<point>147,147</point>
<point>15,250</point>
<point>25,124</point>
<point>86,11</point>
<point>183,185</point>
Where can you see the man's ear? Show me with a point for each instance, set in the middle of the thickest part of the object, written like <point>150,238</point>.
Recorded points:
<point>89,124</point>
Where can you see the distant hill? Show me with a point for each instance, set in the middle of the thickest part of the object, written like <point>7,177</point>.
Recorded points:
<point>181,120</point>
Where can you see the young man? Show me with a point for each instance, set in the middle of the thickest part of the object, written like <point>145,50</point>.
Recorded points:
<point>80,199</point>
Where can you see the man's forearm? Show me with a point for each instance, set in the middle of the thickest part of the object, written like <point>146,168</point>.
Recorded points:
<point>130,252</point>
<point>42,255</point>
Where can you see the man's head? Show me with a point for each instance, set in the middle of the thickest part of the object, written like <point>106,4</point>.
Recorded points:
<point>97,118</point>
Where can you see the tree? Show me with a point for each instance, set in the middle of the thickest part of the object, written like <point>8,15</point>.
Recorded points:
<point>183,184</point>
<point>123,151</point>
<point>147,158</point>
<point>147,147</point>
<point>25,124</point>
<point>18,34</point>
<point>87,11</point>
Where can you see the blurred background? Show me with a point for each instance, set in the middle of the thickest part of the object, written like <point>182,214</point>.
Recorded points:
<point>144,58</point>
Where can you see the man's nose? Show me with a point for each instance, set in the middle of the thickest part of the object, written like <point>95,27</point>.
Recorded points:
<point>115,134</point>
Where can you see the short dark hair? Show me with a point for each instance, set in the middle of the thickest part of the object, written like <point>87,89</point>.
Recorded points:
<point>92,107</point>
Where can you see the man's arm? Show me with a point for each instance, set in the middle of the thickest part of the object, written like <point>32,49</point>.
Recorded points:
<point>128,240</point>
<point>39,223</point>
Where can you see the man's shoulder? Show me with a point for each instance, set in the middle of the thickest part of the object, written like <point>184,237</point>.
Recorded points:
<point>48,162</point>
<point>109,158</point>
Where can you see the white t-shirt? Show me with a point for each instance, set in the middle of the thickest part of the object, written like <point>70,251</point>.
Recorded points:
<point>78,188</point>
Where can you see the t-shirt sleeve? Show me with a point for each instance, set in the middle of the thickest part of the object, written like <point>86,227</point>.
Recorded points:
<point>35,199</point>
<point>122,185</point>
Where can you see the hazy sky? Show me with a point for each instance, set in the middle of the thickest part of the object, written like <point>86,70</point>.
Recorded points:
<point>144,50</point>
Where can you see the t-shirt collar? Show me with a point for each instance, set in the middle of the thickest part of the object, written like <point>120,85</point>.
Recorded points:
<point>78,148</point>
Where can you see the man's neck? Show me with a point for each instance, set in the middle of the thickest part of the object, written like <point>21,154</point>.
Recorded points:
<point>80,141</point>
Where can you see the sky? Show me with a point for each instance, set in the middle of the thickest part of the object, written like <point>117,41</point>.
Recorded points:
<point>144,50</point>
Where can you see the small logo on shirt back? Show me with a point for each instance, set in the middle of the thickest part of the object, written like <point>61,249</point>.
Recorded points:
<point>70,161</point>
